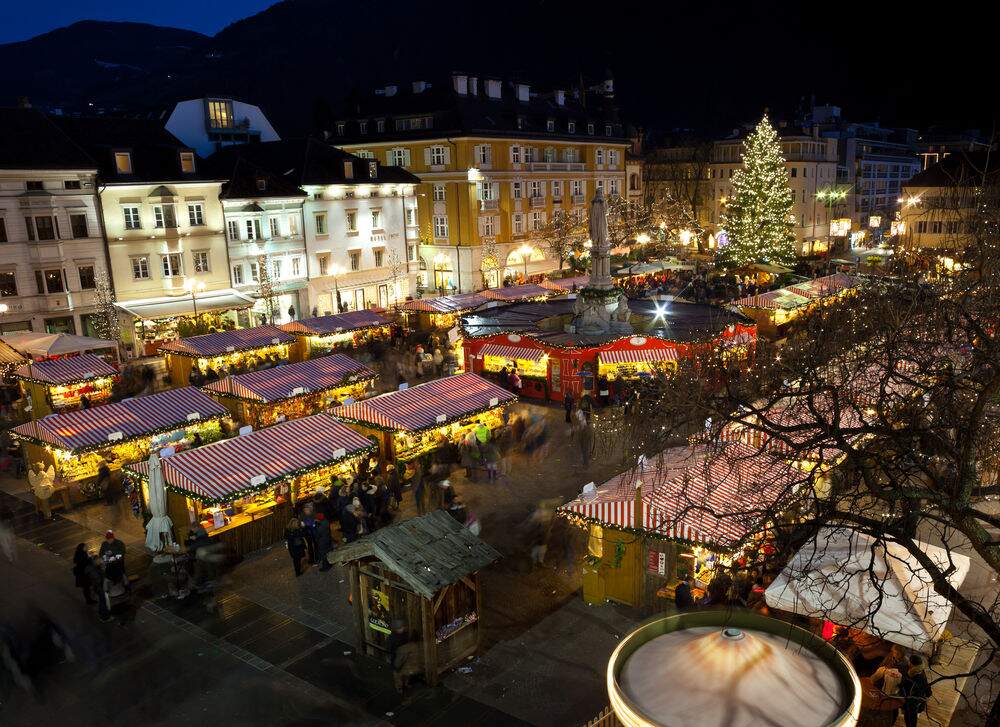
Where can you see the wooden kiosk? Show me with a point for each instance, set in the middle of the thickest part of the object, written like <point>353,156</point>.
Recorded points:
<point>59,384</point>
<point>424,573</point>
<point>242,490</point>
<point>323,334</point>
<point>292,391</point>
<point>249,348</point>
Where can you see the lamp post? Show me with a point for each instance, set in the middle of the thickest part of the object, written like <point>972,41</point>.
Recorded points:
<point>525,251</point>
<point>193,287</point>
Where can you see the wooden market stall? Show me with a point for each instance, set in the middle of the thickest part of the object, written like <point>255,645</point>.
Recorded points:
<point>679,513</point>
<point>76,442</point>
<point>424,573</point>
<point>321,335</point>
<point>440,313</point>
<point>60,384</point>
<point>774,310</point>
<point>243,348</point>
<point>519,293</point>
<point>242,490</point>
<point>419,420</point>
<point>292,391</point>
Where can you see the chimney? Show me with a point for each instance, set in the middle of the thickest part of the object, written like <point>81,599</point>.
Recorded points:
<point>473,86</point>
<point>419,86</point>
<point>390,91</point>
<point>523,92</point>
<point>560,96</point>
<point>461,83</point>
<point>493,88</point>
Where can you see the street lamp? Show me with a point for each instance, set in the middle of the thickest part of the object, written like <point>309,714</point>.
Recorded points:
<point>193,286</point>
<point>525,251</point>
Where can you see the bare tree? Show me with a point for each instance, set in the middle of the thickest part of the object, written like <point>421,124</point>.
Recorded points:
<point>680,174</point>
<point>564,235</point>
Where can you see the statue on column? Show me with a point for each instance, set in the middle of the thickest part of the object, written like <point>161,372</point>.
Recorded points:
<point>600,307</point>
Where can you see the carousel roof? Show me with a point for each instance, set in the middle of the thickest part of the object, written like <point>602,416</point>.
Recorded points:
<point>131,419</point>
<point>290,380</point>
<point>84,367</point>
<point>713,497</point>
<point>223,342</point>
<point>233,467</point>
<point>354,320</point>
<point>427,406</point>
<point>428,552</point>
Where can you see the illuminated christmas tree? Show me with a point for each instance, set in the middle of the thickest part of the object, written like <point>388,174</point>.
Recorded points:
<point>757,218</point>
<point>106,322</point>
<point>265,291</point>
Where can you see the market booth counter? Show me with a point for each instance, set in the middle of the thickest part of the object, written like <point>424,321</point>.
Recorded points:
<point>423,572</point>
<point>76,442</point>
<point>321,335</point>
<point>60,384</point>
<point>242,490</point>
<point>683,512</point>
<point>292,391</point>
<point>418,420</point>
<point>245,347</point>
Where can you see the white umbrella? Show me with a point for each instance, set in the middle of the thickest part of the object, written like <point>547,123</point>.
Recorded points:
<point>159,529</point>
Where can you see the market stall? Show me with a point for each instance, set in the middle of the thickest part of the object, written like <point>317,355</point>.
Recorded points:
<point>241,490</point>
<point>76,442</point>
<point>217,354</point>
<point>775,309</point>
<point>62,383</point>
<point>632,362</point>
<point>292,391</point>
<point>424,574</point>
<point>440,313</point>
<point>566,285</point>
<point>42,346</point>
<point>680,513</point>
<point>520,293</point>
<point>321,335</point>
<point>421,419</point>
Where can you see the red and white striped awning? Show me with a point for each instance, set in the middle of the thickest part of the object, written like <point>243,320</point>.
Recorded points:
<point>84,367</point>
<point>520,292</point>
<point>713,497</point>
<point>427,406</point>
<point>639,355</point>
<point>232,468</point>
<point>566,285</point>
<point>512,352</point>
<point>355,320</point>
<point>223,342</point>
<point>459,303</point>
<point>291,380</point>
<point>135,418</point>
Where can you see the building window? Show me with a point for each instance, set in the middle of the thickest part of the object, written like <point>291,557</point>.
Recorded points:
<point>123,162</point>
<point>34,186</point>
<point>87,280</point>
<point>376,219</point>
<point>520,122</point>
<point>355,256</point>
<point>276,268</point>
<point>254,273</point>
<point>438,194</point>
<point>171,265</point>
<point>324,263</point>
<point>516,190</point>
<point>489,226</point>
<point>253,229</point>
<point>341,127</point>
<point>590,129</point>
<point>607,129</point>
<point>201,264</point>
<point>140,267</point>
<point>196,215</point>
<point>518,224</point>
<point>220,114</point>
<point>534,189</point>
<point>296,267</point>
<point>550,125</point>
<point>379,258</point>
<point>45,228</point>
<point>78,224</point>
<point>234,229</point>
<point>613,187</point>
<point>399,157</point>
<point>132,221</point>
<point>599,156</point>
<point>163,216</point>
<point>372,169</point>
<point>613,157</point>
<point>321,224</point>
<point>571,127</point>
<point>54,281</point>
<point>352,220</point>
<point>237,275</point>
<point>411,216</point>
<point>437,155</point>
<point>187,162</point>
<point>485,155</point>
<point>537,221</point>
<point>411,253</point>
<point>363,127</point>
<point>795,172</point>
<point>3,230</point>
<point>440,227</point>
<point>8,284</point>
<point>380,125</point>
<point>72,184</point>
<point>293,225</point>
<point>275,227</point>
<point>557,189</point>
<point>515,155</point>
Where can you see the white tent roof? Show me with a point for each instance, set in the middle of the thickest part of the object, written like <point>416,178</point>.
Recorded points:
<point>54,344</point>
<point>848,578</point>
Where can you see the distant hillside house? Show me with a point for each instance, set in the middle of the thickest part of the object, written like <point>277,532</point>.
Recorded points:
<point>209,124</point>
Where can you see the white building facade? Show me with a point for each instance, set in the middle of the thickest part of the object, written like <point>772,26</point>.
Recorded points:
<point>209,124</point>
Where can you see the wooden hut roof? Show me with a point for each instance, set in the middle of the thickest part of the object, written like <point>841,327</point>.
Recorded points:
<point>427,552</point>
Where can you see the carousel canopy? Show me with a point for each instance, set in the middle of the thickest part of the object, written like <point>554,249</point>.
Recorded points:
<point>55,344</point>
<point>459,303</point>
<point>290,380</point>
<point>851,579</point>
<point>427,406</point>
<point>233,468</point>
<point>716,498</point>
<point>67,370</point>
<point>223,342</point>
<point>124,420</point>
<point>428,552</point>
<point>354,320</point>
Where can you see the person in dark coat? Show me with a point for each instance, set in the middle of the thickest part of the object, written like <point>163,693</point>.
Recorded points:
<point>568,406</point>
<point>81,563</point>
<point>295,541</point>
<point>308,523</point>
<point>349,523</point>
<point>683,597</point>
<point>915,689</point>
<point>395,485</point>
<point>324,540</point>
<point>112,553</point>
<point>323,504</point>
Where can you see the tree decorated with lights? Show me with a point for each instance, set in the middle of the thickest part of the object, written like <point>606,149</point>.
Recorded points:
<point>107,324</point>
<point>265,291</point>
<point>757,217</point>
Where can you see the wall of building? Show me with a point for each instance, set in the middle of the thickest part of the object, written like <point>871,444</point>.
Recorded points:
<point>189,123</point>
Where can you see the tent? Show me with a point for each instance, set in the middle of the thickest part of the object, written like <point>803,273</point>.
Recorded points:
<point>45,345</point>
<point>851,579</point>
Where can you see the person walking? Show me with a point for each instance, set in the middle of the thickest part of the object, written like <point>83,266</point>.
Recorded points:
<point>584,433</point>
<point>586,405</point>
<point>568,406</point>
<point>308,520</point>
<point>914,689</point>
<point>438,362</point>
<point>419,480</point>
<point>394,485</point>
<point>81,563</point>
<point>349,522</point>
<point>683,598</point>
<point>324,541</point>
<point>295,541</point>
<point>515,383</point>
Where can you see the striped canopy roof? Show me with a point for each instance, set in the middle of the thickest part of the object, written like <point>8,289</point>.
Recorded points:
<point>223,342</point>
<point>271,385</point>
<point>354,320</point>
<point>445,303</point>
<point>233,468</point>
<point>84,367</point>
<point>639,355</point>
<point>520,292</point>
<point>712,497</point>
<point>566,284</point>
<point>133,418</point>
<point>513,352</point>
<point>823,287</point>
<point>427,406</point>
<point>800,294</point>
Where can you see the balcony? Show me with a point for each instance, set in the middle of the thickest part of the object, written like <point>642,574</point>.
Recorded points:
<point>556,167</point>
<point>538,201</point>
<point>489,205</point>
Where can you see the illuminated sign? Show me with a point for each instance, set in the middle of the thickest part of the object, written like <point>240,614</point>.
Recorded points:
<point>840,227</point>
<point>875,221</point>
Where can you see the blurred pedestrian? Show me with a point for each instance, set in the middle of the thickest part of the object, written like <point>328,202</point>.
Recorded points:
<point>324,541</point>
<point>81,562</point>
<point>8,543</point>
<point>295,541</point>
<point>568,405</point>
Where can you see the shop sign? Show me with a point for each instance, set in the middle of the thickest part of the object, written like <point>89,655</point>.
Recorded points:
<point>657,563</point>
<point>840,227</point>
<point>378,611</point>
